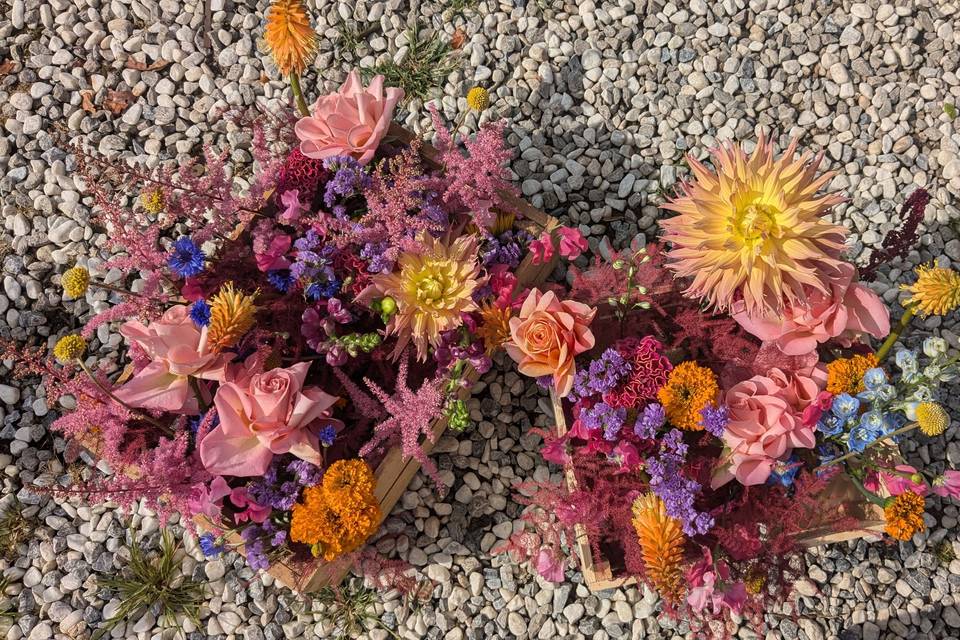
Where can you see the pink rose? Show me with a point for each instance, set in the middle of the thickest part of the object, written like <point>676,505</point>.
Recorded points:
<point>177,349</point>
<point>546,336</point>
<point>766,421</point>
<point>267,414</point>
<point>350,122</point>
<point>850,310</point>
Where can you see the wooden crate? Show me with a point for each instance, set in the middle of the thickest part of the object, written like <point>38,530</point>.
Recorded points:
<point>394,472</point>
<point>598,575</point>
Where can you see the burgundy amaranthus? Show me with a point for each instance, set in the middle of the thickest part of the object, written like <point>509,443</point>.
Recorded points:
<point>476,180</point>
<point>898,242</point>
<point>411,415</point>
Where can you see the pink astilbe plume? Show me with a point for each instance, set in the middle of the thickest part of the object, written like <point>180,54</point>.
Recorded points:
<point>474,181</point>
<point>367,406</point>
<point>411,415</point>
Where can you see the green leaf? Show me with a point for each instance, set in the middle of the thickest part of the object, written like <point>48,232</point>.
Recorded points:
<point>950,109</point>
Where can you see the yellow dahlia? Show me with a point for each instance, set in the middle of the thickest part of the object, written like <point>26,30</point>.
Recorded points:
<point>661,542</point>
<point>289,36</point>
<point>754,229</point>
<point>232,314</point>
<point>936,291</point>
<point>431,288</point>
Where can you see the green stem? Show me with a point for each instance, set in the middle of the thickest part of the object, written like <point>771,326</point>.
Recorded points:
<point>110,287</point>
<point>905,319</point>
<point>869,495</point>
<point>298,94</point>
<point>899,432</point>
<point>195,386</point>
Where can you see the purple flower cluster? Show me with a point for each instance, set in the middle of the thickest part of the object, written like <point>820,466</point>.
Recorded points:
<point>348,178</point>
<point>259,540</point>
<point>715,419</point>
<point>376,253</point>
<point>280,486</point>
<point>451,349</point>
<point>314,267</point>
<point>603,374</point>
<point>677,492</point>
<point>603,416</point>
<point>649,421</point>
<point>507,248</point>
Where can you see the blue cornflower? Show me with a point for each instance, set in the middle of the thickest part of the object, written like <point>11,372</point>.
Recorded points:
<point>831,425</point>
<point>873,378</point>
<point>327,435</point>
<point>319,290</point>
<point>845,406</point>
<point>281,279</point>
<point>186,259</point>
<point>784,471</point>
<point>200,313</point>
<point>209,546</point>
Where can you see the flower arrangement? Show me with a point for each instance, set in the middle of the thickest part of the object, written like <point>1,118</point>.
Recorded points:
<point>739,383</point>
<point>286,330</point>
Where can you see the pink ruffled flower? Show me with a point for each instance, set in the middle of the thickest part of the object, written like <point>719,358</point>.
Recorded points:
<point>710,586</point>
<point>895,483</point>
<point>572,243</point>
<point>546,336</point>
<point>850,310</point>
<point>350,122</point>
<point>269,414</point>
<point>766,422</point>
<point>208,501</point>
<point>271,256</point>
<point>948,484</point>
<point>556,452</point>
<point>541,249</point>
<point>549,565</point>
<point>252,511</point>
<point>815,410</point>
<point>177,349</point>
<point>292,207</point>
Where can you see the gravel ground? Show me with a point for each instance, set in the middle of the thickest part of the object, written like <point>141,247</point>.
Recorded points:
<point>603,99</point>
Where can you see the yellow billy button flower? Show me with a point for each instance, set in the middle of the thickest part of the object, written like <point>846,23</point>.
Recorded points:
<point>153,200</point>
<point>936,291</point>
<point>932,418</point>
<point>75,281</point>
<point>478,98</point>
<point>69,348</point>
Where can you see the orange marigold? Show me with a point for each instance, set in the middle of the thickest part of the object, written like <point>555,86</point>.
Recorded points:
<point>661,541</point>
<point>689,389</point>
<point>338,515</point>
<point>904,515</point>
<point>845,375</point>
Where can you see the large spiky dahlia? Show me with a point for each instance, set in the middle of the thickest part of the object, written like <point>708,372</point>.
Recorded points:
<point>432,288</point>
<point>754,230</point>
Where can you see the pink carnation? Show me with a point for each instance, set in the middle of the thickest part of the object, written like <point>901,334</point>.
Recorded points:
<point>263,415</point>
<point>850,310</point>
<point>177,349</point>
<point>350,122</point>
<point>766,422</point>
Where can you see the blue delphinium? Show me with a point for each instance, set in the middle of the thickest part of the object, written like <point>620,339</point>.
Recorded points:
<point>870,427</point>
<point>831,425</point>
<point>875,377</point>
<point>845,406</point>
<point>186,259</point>
<point>784,471</point>
<point>200,313</point>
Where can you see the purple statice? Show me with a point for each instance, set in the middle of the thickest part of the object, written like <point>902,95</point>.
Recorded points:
<point>376,253</point>
<point>433,213</point>
<point>507,248</point>
<point>305,473</point>
<point>649,421</point>
<point>348,178</point>
<point>677,491</point>
<point>254,549</point>
<point>714,419</point>
<point>280,485</point>
<point>603,416</point>
<point>603,374</point>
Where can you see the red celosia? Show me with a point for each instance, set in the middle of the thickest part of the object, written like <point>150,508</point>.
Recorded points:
<point>649,370</point>
<point>303,174</point>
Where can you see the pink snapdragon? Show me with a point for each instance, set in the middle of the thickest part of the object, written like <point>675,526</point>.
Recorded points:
<point>264,415</point>
<point>572,243</point>
<point>848,311</point>
<point>178,351</point>
<point>901,479</point>
<point>710,582</point>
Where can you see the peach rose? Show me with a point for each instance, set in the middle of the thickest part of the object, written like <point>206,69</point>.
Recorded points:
<point>178,351</point>
<point>850,310</point>
<point>350,122</point>
<point>766,421</point>
<point>547,335</point>
<point>263,415</point>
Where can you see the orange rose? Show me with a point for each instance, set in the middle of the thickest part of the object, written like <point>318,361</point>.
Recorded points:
<point>547,335</point>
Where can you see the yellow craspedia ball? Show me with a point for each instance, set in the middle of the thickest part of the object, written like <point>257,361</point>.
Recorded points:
<point>69,348</point>
<point>478,99</point>
<point>932,418</point>
<point>75,281</point>
<point>153,200</point>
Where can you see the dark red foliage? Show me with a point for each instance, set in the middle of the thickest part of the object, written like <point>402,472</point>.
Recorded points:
<point>900,241</point>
